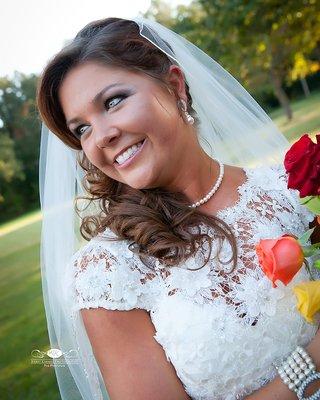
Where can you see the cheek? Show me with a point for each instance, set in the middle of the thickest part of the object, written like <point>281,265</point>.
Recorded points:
<point>142,116</point>
<point>159,122</point>
<point>154,111</point>
<point>93,154</point>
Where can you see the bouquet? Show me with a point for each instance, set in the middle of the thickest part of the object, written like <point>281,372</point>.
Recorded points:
<point>283,257</point>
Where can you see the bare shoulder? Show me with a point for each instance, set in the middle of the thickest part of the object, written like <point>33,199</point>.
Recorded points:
<point>233,177</point>
<point>236,175</point>
<point>132,363</point>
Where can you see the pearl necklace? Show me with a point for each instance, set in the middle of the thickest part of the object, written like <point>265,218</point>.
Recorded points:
<point>213,190</point>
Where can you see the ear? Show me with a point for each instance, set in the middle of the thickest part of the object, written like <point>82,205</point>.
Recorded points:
<point>176,81</point>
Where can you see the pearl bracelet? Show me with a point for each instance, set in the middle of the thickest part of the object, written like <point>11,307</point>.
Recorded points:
<point>298,371</point>
<point>300,393</point>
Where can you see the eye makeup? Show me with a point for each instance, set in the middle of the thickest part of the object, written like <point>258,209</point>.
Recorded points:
<point>122,95</point>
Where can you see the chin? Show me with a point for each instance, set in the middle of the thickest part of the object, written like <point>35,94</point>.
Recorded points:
<point>142,179</point>
<point>138,186</point>
<point>142,183</point>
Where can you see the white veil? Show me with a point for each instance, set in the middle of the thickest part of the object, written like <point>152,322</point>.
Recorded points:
<point>233,128</point>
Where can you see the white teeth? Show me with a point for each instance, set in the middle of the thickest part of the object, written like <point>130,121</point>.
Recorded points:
<point>128,153</point>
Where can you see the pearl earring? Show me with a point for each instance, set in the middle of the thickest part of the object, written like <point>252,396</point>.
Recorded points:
<point>183,106</point>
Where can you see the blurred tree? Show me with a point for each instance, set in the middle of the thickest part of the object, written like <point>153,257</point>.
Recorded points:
<point>160,11</point>
<point>266,37</point>
<point>10,167</point>
<point>19,145</point>
<point>258,41</point>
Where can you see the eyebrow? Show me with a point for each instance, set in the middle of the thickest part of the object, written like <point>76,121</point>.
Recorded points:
<point>96,98</point>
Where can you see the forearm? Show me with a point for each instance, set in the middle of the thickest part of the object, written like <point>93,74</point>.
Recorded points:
<point>277,390</point>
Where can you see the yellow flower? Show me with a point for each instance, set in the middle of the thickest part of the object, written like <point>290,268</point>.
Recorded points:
<point>308,295</point>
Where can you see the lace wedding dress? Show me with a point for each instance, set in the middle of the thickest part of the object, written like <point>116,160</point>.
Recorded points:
<point>221,332</point>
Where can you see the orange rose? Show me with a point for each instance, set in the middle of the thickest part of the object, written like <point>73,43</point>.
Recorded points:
<point>280,258</point>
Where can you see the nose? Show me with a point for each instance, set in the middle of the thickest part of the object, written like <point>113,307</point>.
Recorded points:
<point>107,137</point>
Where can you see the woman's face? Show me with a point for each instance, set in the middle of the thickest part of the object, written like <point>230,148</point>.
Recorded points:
<point>134,110</point>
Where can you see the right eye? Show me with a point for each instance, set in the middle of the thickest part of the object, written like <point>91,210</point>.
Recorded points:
<point>79,131</point>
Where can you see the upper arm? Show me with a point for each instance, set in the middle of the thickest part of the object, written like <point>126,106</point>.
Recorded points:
<point>133,365</point>
<point>112,295</point>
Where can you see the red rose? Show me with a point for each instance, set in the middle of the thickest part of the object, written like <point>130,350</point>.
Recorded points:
<point>302,163</point>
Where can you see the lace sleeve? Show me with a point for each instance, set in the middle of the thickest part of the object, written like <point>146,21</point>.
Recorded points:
<point>107,274</point>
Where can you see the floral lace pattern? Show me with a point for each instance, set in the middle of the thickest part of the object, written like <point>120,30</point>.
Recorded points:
<point>210,323</point>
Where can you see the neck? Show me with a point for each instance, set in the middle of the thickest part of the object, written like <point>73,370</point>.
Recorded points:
<point>197,173</point>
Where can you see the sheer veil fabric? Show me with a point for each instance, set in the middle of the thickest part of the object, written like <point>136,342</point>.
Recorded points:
<point>233,128</point>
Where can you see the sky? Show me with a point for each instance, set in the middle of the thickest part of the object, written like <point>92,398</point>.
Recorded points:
<point>32,31</point>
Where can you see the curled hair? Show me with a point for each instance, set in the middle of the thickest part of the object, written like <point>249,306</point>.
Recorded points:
<point>157,222</point>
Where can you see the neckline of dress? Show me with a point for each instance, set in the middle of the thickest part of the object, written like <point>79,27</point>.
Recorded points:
<point>248,172</point>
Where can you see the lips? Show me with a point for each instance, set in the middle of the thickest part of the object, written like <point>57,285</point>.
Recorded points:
<point>132,157</point>
<point>126,148</point>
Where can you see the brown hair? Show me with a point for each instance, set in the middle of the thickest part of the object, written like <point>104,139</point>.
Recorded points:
<point>158,222</point>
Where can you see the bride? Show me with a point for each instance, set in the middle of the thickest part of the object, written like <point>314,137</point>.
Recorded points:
<point>182,173</point>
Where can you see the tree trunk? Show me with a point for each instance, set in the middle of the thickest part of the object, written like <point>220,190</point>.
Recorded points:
<point>305,87</point>
<point>280,93</point>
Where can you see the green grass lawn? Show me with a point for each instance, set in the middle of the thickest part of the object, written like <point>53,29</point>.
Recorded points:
<point>306,118</point>
<point>23,325</point>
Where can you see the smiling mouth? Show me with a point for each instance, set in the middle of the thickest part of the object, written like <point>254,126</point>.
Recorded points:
<point>123,161</point>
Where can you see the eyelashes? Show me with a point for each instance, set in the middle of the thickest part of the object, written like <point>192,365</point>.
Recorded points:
<point>78,132</point>
<point>114,97</point>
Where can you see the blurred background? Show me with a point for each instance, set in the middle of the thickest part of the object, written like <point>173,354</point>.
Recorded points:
<point>271,47</point>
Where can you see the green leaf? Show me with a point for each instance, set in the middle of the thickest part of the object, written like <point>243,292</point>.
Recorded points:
<point>317,264</point>
<point>303,239</point>
<point>305,200</point>
<point>311,250</point>
<point>312,203</point>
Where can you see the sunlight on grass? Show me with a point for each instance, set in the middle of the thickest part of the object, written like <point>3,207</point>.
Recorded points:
<point>20,222</point>
<point>23,324</point>
<point>306,118</point>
